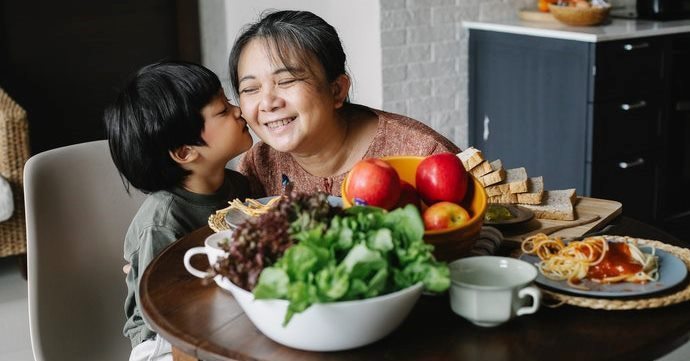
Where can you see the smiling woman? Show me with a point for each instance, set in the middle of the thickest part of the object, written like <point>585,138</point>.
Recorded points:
<point>288,71</point>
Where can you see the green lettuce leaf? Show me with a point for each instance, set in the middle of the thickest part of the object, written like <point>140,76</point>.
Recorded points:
<point>362,252</point>
<point>273,283</point>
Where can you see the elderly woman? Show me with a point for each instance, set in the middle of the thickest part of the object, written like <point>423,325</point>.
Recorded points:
<point>288,71</point>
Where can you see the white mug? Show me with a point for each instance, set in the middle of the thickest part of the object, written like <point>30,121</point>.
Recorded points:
<point>211,249</point>
<point>490,290</point>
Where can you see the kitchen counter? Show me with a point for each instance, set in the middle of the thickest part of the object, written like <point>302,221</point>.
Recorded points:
<point>609,101</point>
<point>613,29</point>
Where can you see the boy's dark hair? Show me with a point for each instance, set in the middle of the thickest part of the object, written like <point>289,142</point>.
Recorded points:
<point>293,35</point>
<point>158,110</point>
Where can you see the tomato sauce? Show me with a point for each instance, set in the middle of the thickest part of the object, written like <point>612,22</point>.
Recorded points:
<point>616,262</point>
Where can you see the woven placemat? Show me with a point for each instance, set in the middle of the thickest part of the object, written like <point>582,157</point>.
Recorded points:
<point>666,299</point>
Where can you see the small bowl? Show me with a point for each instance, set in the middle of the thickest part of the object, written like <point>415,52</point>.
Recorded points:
<point>577,16</point>
<point>328,326</point>
<point>451,243</point>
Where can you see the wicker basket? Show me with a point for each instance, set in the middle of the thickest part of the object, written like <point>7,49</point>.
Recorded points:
<point>14,152</point>
<point>578,16</point>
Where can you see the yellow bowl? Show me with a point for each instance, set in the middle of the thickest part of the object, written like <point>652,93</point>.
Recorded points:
<point>576,16</point>
<point>451,243</point>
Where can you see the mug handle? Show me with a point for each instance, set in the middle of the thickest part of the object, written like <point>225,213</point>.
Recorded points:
<point>188,265</point>
<point>536,296</point>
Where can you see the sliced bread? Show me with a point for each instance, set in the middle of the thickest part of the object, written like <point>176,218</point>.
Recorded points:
<point>557,204</point>
<point>535,191</point>
<point>515,182</point>
<point>471,157</point>
<point>509,198</point>
<point>497,174</point>
<point>481,169</point>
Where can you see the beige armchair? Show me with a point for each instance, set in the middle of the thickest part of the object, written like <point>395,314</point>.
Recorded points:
<point>14,152</point>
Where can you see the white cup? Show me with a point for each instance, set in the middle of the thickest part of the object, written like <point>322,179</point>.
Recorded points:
<point>490,290</point>
<point>211,249</point>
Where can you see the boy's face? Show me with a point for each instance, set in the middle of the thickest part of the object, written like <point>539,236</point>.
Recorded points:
<point>225,132</point>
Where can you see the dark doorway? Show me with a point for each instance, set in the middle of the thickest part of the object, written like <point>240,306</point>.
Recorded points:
<point>64,60</point>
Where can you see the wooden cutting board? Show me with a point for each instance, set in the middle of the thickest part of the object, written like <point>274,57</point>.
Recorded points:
<point>585,207</point>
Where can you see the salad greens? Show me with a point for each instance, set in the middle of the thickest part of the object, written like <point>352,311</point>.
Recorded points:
<point>361,253</point>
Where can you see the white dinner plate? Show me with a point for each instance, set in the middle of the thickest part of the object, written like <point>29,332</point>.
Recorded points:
<point>672,271</point>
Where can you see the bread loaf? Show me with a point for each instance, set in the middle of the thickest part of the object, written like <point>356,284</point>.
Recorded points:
<point>509,198</point>
<point>497,174</point>
<point>535,192</point>
<point>481,169</point>
<point>470,157</point>
<point>557,204</point>
<point>515,182</point>
<point>513,186</point>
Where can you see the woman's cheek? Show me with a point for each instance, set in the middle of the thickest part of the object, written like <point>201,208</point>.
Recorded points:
<point>254,126</point>
<point>248,113</point>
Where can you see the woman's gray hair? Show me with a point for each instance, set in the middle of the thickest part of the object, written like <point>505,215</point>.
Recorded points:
<point>293,36</point>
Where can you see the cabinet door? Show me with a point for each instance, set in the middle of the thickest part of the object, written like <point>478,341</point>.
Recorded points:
<point>528,104</point>
<point>629,67</point>
<point>630,180</point>
<point>626,125</point>
<point>676,192</point>
<point>628,117</point>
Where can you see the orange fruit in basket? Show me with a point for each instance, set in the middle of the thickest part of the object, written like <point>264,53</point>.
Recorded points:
<point>543,6</point>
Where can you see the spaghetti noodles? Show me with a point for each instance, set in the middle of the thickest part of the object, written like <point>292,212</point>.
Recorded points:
<point>599,259</point>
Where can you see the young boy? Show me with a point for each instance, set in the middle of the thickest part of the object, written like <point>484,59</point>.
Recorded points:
<point>171,132</point>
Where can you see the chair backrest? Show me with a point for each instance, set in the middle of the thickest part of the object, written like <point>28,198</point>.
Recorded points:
<point>77,214</point>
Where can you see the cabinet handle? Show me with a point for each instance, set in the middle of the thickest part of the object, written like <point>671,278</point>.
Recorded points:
<point>485,136</point>
<point>636,163</point>
<point>631,47</point>
<point>640,104</point>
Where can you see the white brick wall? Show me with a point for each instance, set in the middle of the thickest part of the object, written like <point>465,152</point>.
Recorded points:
<point>424,58</point>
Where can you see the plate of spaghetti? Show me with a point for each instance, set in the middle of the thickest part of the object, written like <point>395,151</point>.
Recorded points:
<point>602,266</point>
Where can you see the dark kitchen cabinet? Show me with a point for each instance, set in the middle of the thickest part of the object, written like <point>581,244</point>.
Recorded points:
<point>528,101</point>
<point>675,198</point>
<point>596,116</point>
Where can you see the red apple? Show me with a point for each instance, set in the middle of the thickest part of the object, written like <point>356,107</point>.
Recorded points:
<point>408,195</point>
<point>441,177</point>
<point>373,182</point>
<point>444,215</point>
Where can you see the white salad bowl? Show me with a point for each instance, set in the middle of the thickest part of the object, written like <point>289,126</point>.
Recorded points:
<point>327,326</point>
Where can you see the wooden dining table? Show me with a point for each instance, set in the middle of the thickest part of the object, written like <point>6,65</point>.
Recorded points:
<point>204,322</point>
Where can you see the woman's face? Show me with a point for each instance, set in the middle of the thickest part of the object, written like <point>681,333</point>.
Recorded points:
<point>290,108</point>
